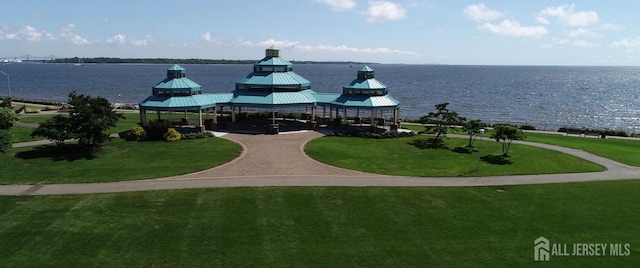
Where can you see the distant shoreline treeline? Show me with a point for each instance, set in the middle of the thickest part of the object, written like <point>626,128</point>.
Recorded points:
<point>105,60</point>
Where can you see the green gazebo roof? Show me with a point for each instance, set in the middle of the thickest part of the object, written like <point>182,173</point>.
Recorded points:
<point>273,73</point>
<point>176,83</point>
<point>365,84</point>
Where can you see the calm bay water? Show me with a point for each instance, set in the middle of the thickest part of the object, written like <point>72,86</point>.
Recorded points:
<point>547,97</point>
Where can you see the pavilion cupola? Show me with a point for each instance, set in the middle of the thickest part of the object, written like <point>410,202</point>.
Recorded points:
<point>365,84</point>
<point>176,84</point>
<point>274,74</point>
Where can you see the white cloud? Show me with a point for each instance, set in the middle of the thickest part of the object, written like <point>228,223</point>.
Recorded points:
<point>329,48</point>
<point>566,14</point>
<point>339,5</point>
<point>117,40</point>
<point>207,37</point>
<point>67,32</point>
<point>381,11</point>
<point>480,13</point>
<point>242,42</point>
<point>628,43</point>
<point>28,33</point>
<point>147,39</point>
<point>583,43</point>
<point>583,32</point>
<point>278,44</point>
<point>514,29</point>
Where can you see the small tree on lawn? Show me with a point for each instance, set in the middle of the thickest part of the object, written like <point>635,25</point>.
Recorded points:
<point>57,129</point>
<point>506,134</point>
<point>441,120</point>
<point>7,118</point>
<point>90,118</point>
<point>472,128</point>
<point>87,122</point>
<point>6,102</point>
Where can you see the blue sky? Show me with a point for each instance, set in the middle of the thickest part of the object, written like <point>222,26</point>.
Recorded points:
<point>491,32</point>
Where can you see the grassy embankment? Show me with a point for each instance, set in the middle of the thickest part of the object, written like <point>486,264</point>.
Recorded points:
<point>321,226</point>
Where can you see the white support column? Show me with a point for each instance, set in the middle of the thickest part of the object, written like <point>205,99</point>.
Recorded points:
<point>200,117</point>
<point>313,113</point>
<point>215,115</point>
<point>324,111</point>
<point>373,119</point>
<point>143,117</point>
<point>396,115</point>
<point>233,114</point>
<point>346,122</point>
<point>273,116</point>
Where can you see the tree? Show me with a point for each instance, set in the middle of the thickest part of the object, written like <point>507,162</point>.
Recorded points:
<point>57,129</point>
<point>7,118</point>
<point>506,134</point>
<point>90,118</point>
<point>441,120</point>
<point>6,102</point>
<point>472,128</point>
<point>87,122</point>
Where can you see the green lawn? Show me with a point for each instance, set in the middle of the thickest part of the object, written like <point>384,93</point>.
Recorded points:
<point>22,134</point>
<point>119,161</point>
<point>321,226</point>
<point>400,157</point>
<point>36,118</point>
<point>622,150</point>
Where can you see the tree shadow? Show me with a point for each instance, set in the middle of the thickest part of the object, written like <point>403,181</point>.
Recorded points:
<point>430,143</point>
<point>464,150</point>
<point>64,152</point>
<point>497,159</point>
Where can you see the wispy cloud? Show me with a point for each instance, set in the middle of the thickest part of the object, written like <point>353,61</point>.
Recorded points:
<point>567,15</point>
<point>117,40</point>
<point>631,44</point>
<point>481,13</point>
<point>329,48</point>
<point>382,11</point>
<point>513,28</point>
<point>27,32</point>
<point>143,42</point>
<point>67,32</point>
<point>339,5</point>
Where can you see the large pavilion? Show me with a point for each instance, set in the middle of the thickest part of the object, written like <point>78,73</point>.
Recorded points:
<point>272,87</point>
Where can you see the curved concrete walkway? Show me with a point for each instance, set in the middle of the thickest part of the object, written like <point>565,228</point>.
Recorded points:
<point>260,165</point>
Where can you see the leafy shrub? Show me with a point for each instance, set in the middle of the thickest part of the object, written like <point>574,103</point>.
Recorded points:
<point>156,129</point>
<point>172,135</point>
<point>137,134</point>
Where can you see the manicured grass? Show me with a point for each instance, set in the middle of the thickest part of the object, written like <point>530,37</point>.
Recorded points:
<point>400,157</point>
<point>22,134</point>
<point>36,118</point>
<point>622,150</point>
<point>130,120</point>
<point>119,161</point>
<point>321,227</point>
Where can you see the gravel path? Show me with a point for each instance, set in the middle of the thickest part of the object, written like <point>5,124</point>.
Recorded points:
<point>260,165</point>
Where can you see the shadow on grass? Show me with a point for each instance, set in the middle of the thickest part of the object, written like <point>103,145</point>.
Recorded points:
<point>496,159</point>
<point>464,150</point>
<point>66,152</point>
<point>428,143</point>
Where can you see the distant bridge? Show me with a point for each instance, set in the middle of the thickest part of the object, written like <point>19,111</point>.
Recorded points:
<point>26,58</point>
